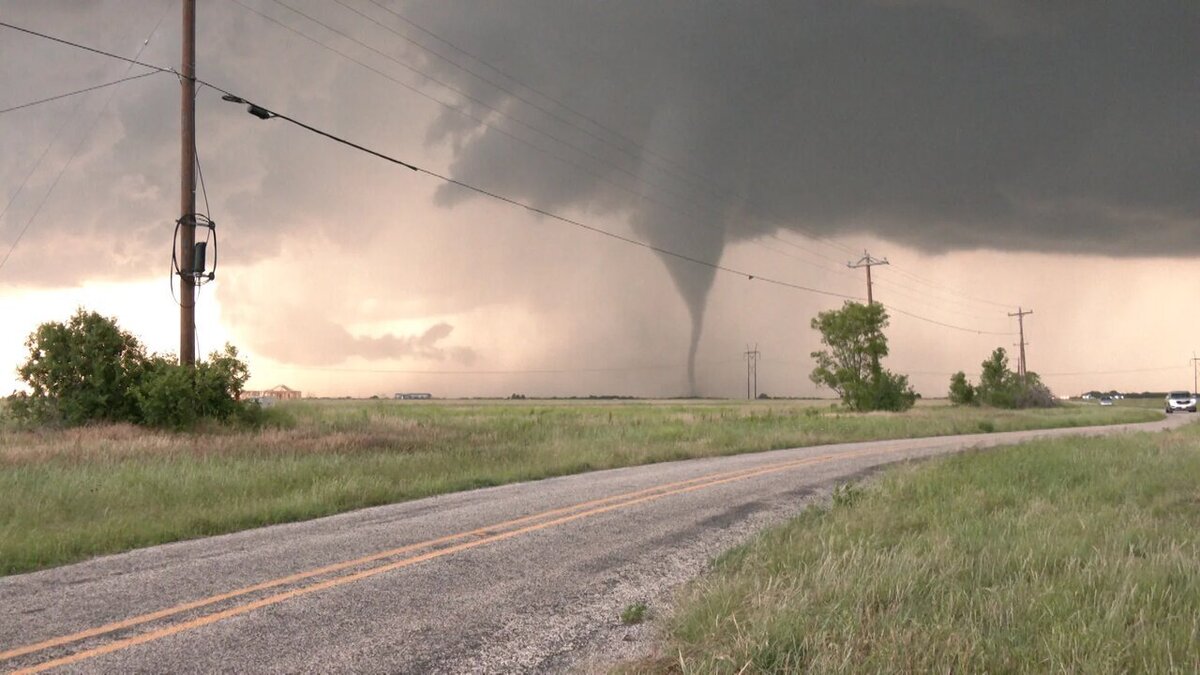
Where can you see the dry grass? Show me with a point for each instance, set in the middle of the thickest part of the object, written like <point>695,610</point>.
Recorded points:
<point>70,494</point>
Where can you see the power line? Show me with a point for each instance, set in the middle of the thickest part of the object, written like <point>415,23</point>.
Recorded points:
<point>111,55</point>
<point>512,78</point>
<point>264,113</point>
<point>475,99</point>
<point>695,218</point>
<point>38,164</point>
<point>696,179</point>
<point>692,215</point>
<point>534,371</point>
<point>618,134</point>
<point>451,180</point>
<point>477,119</point>
<point>1114,372</point>
<point>944,325</point>
<point>78,91</point>
<point>79,146</point>
<point>948,289</point>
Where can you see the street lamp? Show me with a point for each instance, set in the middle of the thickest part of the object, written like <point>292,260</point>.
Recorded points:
<point>259,112</point>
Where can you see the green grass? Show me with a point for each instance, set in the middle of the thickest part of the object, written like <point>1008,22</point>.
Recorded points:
<point>1073,555</point>
<point>70,494</point>
<point>634,613</point>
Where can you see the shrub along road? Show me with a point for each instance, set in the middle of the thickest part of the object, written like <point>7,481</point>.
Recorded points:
<point>530,576</point>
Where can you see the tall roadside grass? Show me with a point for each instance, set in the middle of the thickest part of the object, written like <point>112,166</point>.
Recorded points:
<point>1074,555</point>
<point>70,494</point>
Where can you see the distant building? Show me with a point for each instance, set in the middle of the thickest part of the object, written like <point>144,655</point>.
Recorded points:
<point>413,396</point>
<point>279,393</point>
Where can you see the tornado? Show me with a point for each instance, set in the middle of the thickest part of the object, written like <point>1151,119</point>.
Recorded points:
<point>693,280</point>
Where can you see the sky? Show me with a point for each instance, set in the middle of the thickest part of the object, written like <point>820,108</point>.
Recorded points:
<point>692,179</point>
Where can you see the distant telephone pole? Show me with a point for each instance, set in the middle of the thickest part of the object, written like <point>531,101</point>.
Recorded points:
<point>1020,314</point>
<point>752,371</point>
<point>1194,360</point>
<point>867,261</point>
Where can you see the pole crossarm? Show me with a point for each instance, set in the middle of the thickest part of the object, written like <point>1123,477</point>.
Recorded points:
<point>868,262</point>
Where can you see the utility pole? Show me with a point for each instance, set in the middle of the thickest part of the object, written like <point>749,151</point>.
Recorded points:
<point>752,370</point>
<point>1194,360</point>
<point>1020,314</point>
<point>867,261</point>
<point>187,189</point>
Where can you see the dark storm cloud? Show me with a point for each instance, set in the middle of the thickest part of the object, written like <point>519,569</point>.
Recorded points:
<point>942,125</point>
<point>945,125</point>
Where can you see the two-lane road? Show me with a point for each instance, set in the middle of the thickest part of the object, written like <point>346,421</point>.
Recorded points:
<point>515,578</point>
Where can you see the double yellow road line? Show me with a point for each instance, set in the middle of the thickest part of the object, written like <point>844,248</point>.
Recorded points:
<point>379,563</point>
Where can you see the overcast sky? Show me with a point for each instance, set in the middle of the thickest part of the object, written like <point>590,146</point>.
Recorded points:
<point>999,154</point>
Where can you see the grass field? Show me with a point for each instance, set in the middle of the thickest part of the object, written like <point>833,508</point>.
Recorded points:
<point>70,494</point>
<point>1074,555</point>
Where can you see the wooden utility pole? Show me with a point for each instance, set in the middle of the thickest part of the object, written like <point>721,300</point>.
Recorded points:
<point>752,371</point>
<point>867,261</point>
<point>1194,360</point>
<point>1020,314</point>
<point>187,189</point>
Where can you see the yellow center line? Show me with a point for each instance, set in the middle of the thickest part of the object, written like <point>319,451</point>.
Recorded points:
<point>335,567</point>
<point>364,574</point>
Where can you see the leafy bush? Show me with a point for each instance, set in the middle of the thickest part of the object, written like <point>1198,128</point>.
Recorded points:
<point>89,370</point>
<point>891,391</point>
<point>961,391</point>
<point>1000,387</point>
<point>1033,394</point>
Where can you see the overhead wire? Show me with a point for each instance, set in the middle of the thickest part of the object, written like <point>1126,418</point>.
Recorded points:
<point>948,289</point>
<point>697,180</point>
<point>45,151</point>
<point>476,100</point>
<point>516,96</point>
<point>79,91</point>
<point>266,113</point>
<point>94,50</point>
<point>79,146</point>
<point>515,202</point>
<point>702,179</point>
<point>524,85</point>
<point>532,371</point>
<point>692,177</point>
<point>697,219</point>
<point>459,110</point>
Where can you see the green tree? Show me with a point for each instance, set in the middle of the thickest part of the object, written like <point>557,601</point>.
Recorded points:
<point>850,366</point>
<point>961,391</point>
<point>80,371</point>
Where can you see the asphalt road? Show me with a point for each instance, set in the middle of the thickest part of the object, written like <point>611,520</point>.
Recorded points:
<point>526,577</point>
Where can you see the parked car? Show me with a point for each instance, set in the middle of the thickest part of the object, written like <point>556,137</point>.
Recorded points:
<point>1181,400</point>
<point>1104,400</point>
